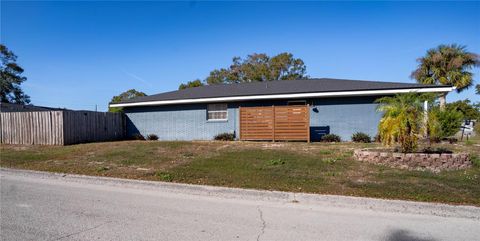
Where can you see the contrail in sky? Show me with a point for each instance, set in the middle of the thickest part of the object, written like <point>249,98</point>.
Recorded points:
<point>137,77</point>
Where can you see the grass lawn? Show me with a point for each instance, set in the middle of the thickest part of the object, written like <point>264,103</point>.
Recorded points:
<point>298,167</point>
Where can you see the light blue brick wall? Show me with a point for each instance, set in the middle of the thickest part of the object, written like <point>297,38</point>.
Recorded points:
<point>341,116</point>
<point>345,116</point>
<point>182,122</point>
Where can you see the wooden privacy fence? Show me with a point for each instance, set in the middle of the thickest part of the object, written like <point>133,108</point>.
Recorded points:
<point>275,123</point>
<point>60,127</point>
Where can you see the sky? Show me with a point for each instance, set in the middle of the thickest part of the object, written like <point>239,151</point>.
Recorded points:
<point>78,55</point>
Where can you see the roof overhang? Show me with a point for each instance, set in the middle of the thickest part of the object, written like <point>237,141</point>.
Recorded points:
<point>288,96</point>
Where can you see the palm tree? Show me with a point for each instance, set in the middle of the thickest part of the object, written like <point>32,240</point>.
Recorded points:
<point>478,89</point>
<point>402,120</point>
<point>448,65</point>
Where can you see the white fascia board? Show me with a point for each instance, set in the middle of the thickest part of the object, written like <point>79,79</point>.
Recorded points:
<point>287,96</point>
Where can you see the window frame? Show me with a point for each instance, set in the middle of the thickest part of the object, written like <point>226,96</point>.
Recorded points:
<point>208,111</point>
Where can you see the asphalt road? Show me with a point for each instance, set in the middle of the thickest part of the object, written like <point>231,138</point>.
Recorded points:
<point>53,208</point>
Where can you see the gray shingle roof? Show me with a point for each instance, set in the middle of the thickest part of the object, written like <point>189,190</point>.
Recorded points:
<point>278,87</point>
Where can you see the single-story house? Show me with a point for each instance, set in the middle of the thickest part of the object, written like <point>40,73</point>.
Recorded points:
<point>335,106</point>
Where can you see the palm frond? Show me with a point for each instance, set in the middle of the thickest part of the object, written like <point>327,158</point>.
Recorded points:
<point>447,64</point>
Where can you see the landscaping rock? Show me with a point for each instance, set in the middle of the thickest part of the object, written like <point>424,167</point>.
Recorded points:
<point>415,161</point>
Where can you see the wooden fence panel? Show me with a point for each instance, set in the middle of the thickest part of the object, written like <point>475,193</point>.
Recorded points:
<point>60,127</point>
<point>275,123</point>
<point>89,126</point>
<point>27,128</point>
<point>292,123</point>
<point>256,123</point>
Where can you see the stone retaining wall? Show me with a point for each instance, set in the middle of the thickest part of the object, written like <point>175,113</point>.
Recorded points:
<point>415,161</point>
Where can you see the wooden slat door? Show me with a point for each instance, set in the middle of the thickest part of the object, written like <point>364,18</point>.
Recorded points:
<point>256,123</point>
<point>292,123</point>
<point>275,123</point>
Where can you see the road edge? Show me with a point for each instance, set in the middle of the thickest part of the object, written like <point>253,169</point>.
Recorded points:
<point>362,203</point>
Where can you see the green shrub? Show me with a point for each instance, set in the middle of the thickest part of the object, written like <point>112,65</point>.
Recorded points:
<point>138,136</point>
<point>331,138</point>
<point>361,137</point>
<point>449,122</point>
<point>225,137</point>
<point>152,137</point>
<point>469,110</point>
<point>476,128</point>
